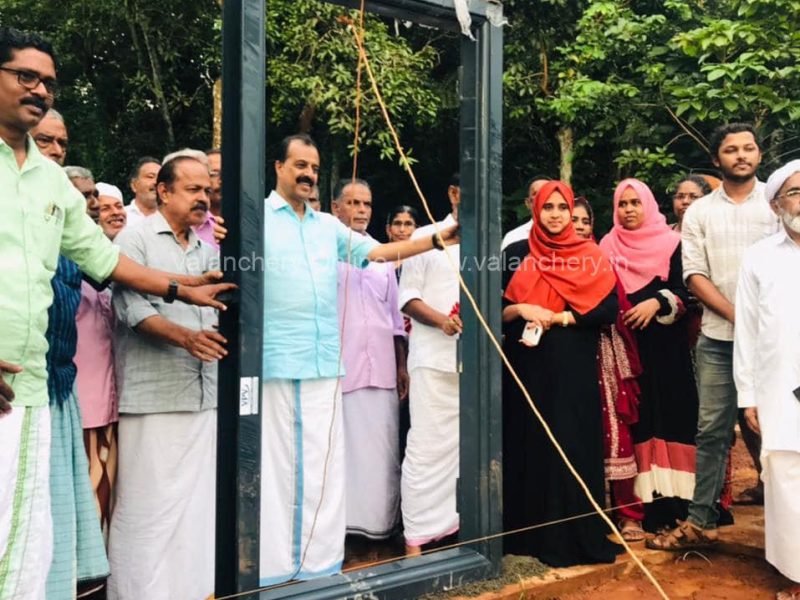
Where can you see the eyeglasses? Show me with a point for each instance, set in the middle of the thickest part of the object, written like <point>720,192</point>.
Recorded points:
<point>403,224</point>
<point>686,196</point>
<point>91,193</point>
<point>30,80</point>
<point>792,194</point>
<point>43,141</point>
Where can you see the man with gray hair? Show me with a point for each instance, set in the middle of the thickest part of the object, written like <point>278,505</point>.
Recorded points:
<point>51,137</point>
<point>375,379</point>
<point>83,180</point>
<point>161,541</point>
<point>766,367</point>
<point>210,230</point>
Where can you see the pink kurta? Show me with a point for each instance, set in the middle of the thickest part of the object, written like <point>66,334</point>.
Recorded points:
<point>371,322</point>
<point>205,231</point>
<point>94,357</point>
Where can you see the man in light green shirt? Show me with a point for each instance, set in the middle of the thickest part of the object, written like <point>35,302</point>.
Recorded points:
<point>43,215</point>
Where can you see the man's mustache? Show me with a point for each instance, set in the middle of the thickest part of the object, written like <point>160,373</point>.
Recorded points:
<point>37,102</point>
<point>200,206</point>
<point>305,179</point>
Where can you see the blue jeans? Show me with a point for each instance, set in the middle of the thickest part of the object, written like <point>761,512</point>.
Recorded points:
<point>715,426</point>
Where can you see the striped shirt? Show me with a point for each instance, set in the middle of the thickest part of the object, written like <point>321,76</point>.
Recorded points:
<point>714,235</point>
<point>62,333</point>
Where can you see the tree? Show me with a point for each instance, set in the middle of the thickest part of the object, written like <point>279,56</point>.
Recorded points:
<point>633,87</point>
<point>312,64</point>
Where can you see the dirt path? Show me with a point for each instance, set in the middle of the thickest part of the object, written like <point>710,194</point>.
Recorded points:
<point>726,578</point>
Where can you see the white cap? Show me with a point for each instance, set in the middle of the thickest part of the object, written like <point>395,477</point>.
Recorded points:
<point>779,177</point>
<point>106,189</point>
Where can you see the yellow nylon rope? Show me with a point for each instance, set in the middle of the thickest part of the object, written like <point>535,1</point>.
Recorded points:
<point>404,161</point>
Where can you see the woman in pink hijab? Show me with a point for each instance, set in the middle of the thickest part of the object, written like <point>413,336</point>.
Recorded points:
<point>646,255</point>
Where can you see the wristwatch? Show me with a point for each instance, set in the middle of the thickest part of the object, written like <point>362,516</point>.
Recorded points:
<point>172,292</point>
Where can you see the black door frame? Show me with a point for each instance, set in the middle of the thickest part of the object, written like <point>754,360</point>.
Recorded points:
<point>239,426</point>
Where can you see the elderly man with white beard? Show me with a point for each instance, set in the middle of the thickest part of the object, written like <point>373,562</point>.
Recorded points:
<point>767,369</point>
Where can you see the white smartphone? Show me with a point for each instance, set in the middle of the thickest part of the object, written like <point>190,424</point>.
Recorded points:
<point>531,336</point>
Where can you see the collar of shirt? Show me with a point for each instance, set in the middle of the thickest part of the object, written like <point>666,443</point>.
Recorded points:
<point>756,193</point>
<point>34,156</point>
<point>133,207</point>
<point>783,237</point>
<point>160,225</point>
<point>278,202</point>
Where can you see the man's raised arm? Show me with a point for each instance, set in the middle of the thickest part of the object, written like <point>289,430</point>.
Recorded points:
<point>192,290</point>
<point>400,250</point>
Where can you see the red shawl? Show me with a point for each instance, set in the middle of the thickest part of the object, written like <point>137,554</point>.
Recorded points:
<point>562,269</point>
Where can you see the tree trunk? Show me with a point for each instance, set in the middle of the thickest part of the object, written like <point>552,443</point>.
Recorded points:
<point>135,15</point>
<point>216,142</point>
<point>306,120</point>
<point>566,144</point>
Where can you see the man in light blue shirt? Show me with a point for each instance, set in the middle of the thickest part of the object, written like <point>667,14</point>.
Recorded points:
<point>302,452</point>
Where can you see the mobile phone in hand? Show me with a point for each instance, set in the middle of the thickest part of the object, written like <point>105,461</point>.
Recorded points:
<point>531,336</point>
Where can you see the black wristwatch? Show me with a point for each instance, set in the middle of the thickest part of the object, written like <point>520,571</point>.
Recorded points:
<point>172,292</point>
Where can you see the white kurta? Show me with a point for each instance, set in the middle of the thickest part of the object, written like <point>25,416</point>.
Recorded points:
<point>767,369</point>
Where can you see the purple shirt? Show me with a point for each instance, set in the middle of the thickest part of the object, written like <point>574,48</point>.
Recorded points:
<point>205,231</point>
<point>97,390</point>
<point>371,322</point>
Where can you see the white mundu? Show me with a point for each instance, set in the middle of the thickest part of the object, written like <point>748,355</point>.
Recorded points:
<point>767,370</point>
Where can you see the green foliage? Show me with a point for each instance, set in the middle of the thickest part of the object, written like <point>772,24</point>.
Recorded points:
<point>642,83</point>
<point>639,84</point>
<point>312,70</point>
<point>136,75</point>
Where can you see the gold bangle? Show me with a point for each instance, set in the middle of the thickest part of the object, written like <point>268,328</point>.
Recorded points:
<point>565,318</point>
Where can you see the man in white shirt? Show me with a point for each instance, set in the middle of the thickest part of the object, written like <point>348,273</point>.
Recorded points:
<point>429,294</point>
<point>766,366</point>
<point>716,230</point>
<point>143,185</point>
<point>523,231</point>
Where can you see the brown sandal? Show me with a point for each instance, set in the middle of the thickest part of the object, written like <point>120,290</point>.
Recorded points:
<point>685,536</point>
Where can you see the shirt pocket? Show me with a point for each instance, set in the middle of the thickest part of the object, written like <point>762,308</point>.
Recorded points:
<point>378,285</point>
<point>44,230</point>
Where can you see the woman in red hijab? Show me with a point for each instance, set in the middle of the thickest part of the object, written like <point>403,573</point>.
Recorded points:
<point>561,283</point>
<point>647,255</point>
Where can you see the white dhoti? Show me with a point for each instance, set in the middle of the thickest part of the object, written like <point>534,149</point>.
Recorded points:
<point>372,450</point>
<point>430,468</point>
<point>302,480</point>
<point>161,540</point>
<point>781,476</point>
<point>26,527</point>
